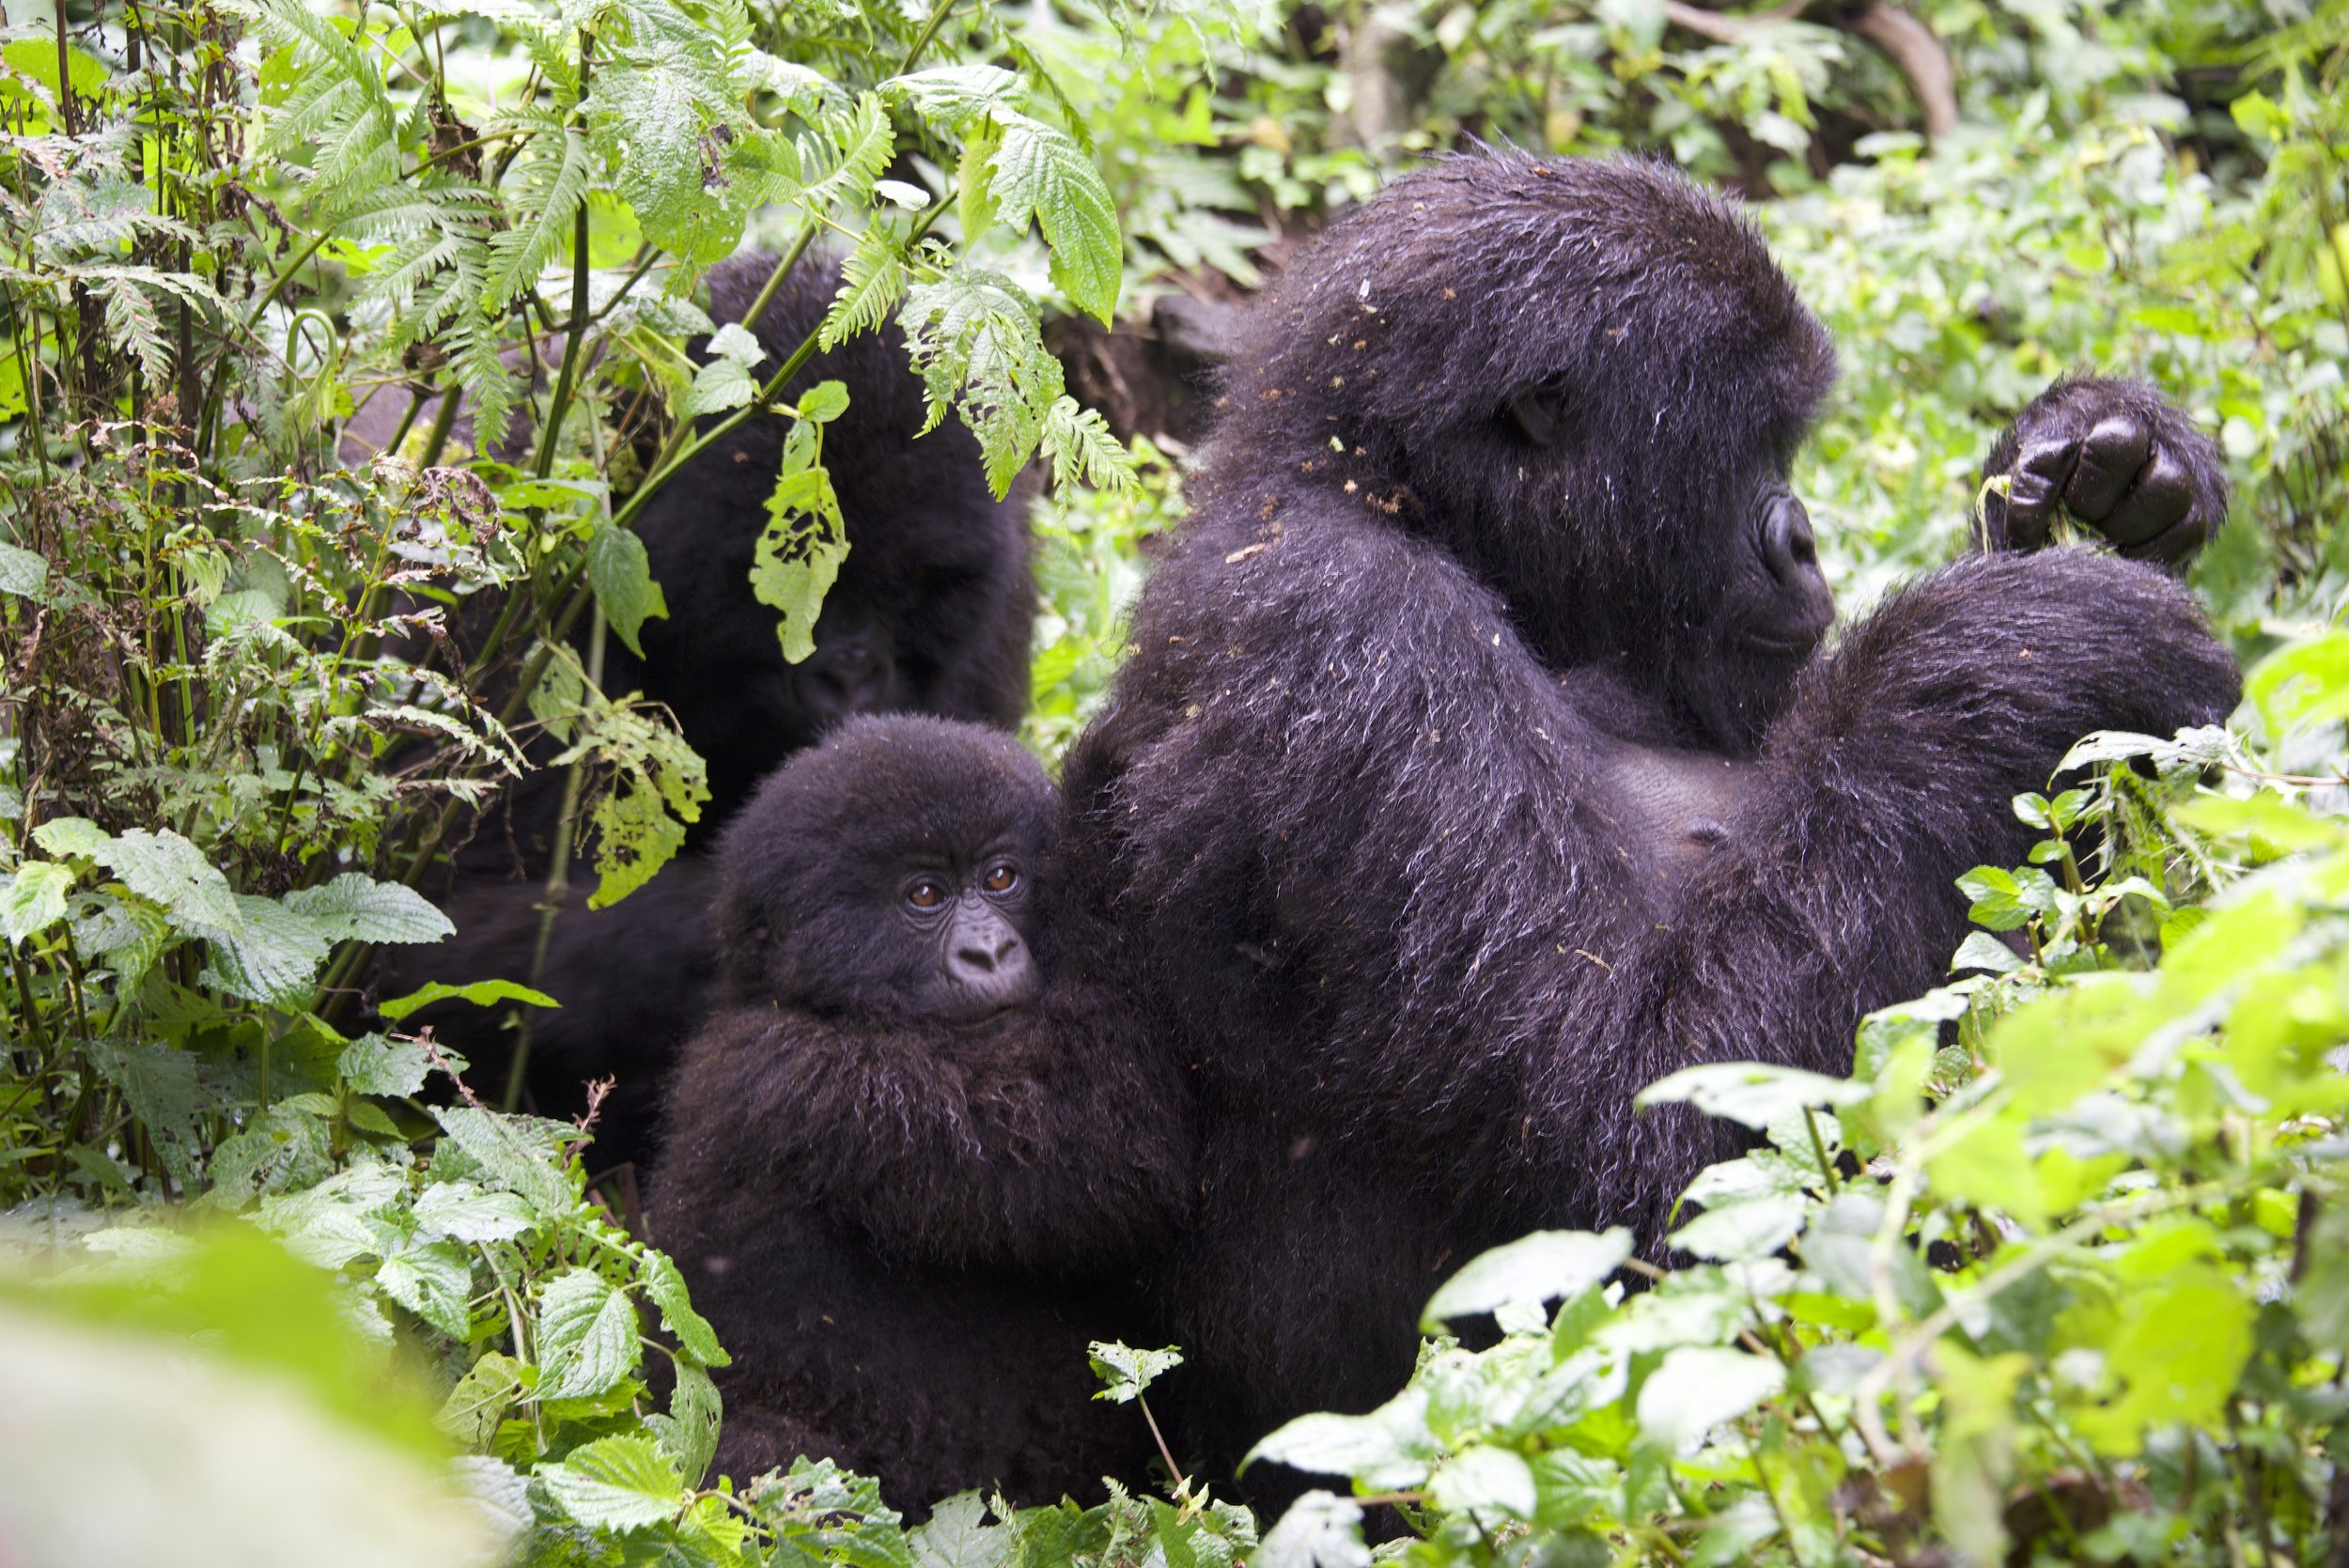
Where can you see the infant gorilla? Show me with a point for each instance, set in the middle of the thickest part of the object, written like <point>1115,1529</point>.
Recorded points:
<point>914,1159</point>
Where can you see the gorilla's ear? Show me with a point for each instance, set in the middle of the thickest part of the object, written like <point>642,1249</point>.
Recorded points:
<point>1541,412</point>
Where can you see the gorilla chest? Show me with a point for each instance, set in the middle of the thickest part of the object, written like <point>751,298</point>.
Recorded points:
<point>1675,807</point>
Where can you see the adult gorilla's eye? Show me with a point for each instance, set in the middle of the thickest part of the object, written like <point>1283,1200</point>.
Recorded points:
<point>1541,412</point>
<point>926,895</point>
<point>1003,878</point>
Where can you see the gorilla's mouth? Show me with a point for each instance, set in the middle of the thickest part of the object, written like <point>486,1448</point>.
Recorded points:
<point>1778,647</point>
<point>977,1019</point>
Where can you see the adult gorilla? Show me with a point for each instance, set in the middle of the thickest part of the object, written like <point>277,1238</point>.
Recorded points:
<point>1478,762</point>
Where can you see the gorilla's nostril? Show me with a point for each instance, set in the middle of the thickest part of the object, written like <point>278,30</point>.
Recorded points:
<point>1788,547</point>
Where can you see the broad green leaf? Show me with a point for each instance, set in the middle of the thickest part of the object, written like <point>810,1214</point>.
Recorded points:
<point>1126,1372</point>
<point>823,402</point>
<point>1042,172</point>
<point>952,95</point>
<point>35,898</point>
<point>586,1336</point>
<point>619,1484</point>
<point>2175,1343</point>
<point>1484,1481</point>
<point>621,574</point>
<point>1699,1388</point>
<point>466,1213</point>
<point>22,572</point>
<point>635,836</point>
<point>665,1288</point>
<point>1982,951</point>
<point>472,1409</point>
<point>1544,1266</point>
<point>167,869</point>
<point>432,1280</point>
<point>958,1535</point>
<point>1753,1229</point>
<point>481,993</point>
<point>689,1431</point>
<point>353,907</point>
<point>37,57</point>
<point>508,1159</point>
<point>164,1087</point>
<point>798,556</point>
<point>1319,1531</point>
<point>271,955</point>
<point>1751,1093</point>
<point>2265,816</point>
<point>1388,1450</point>
<point>376,1065</point>
<point>72,835</point>
<point>2302,684</point>
<point>330,1224</point>
<point>2003,900</point>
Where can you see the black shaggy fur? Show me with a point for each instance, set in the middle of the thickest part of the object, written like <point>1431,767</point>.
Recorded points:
<point>1446,798</point>
<point>932,612</point>
<point>906,1231</point>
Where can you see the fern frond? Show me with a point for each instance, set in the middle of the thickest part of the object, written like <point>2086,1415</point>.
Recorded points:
<point>1082,447</point>
<point>872,281</point>
<point>864,141</point>
<point>545,202</point>
<point>473,343</point>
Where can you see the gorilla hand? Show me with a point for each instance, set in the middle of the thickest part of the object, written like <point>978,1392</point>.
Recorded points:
<point>2120,459</point>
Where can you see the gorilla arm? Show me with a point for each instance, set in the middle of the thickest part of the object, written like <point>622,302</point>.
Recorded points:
<point>1889,776</point>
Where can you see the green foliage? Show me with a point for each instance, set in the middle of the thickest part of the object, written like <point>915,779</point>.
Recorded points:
<point>340,348</point>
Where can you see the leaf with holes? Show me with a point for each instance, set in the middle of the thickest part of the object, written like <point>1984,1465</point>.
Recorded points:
<point>586,1336</point>
<point>1043,173</point>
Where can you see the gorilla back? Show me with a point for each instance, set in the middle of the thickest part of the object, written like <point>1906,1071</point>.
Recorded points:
<point>1478,760</point>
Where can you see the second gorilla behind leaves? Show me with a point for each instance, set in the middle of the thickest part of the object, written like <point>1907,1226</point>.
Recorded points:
<point>915,1158</point>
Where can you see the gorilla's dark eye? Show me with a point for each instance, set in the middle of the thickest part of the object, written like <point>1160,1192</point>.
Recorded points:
<point>1541,412</point>
<point>1003,878</point>
<point>926,895</point>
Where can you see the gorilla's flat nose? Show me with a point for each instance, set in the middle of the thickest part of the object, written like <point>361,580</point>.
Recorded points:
<point>1788,547</point>
<point>849,674</point>
<point>981,963</point>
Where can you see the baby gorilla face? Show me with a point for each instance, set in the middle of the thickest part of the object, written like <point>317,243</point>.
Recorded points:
<point>969,957</point>
<point>895,871</point>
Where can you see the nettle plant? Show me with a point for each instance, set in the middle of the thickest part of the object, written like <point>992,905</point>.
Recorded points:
<point>2058,1274</point>
<point>236,727</point>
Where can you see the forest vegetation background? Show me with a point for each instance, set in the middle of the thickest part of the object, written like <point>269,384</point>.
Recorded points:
<point>2066,1278</point>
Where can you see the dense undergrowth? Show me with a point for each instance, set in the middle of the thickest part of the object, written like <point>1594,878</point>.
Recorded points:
<point>2059,1270</point>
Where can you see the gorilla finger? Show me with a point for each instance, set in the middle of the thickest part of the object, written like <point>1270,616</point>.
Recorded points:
<point>2034,488</point>
<point>2163,495</point>
<point>2110,456</point>
<point>2174,547</point>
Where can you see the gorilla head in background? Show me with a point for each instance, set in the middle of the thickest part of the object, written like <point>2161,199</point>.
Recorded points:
<point>934,605</point>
